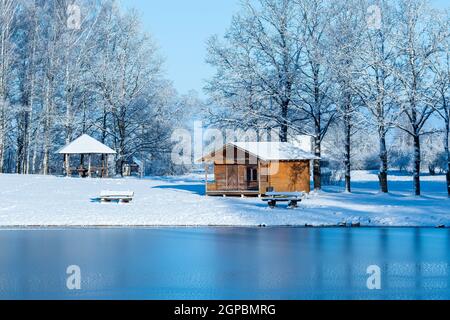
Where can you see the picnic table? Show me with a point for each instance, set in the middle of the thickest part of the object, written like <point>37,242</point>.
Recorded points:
<point>293,198</point>
<point>120,196</point>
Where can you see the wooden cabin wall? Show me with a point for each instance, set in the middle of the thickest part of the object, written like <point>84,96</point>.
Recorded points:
<point>220,176</point>
<point>284,176</point>
<point>242,173</point>
<point>263,177</point>
<point>230,177</point>
<point>289,176</point>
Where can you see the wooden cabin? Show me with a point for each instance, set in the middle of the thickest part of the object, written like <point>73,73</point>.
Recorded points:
<point>255,168</point>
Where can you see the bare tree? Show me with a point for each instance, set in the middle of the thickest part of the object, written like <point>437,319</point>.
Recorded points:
<point>314,85</point>
<point>440,97</point>
<point>415,43</point>
<point>263,47</point>
<point>376,86</point>
<point>345,45</point>
<point>235,100</point>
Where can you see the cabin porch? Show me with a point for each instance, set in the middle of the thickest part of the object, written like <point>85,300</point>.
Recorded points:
<point>233,193</point>
<point>235,180</point>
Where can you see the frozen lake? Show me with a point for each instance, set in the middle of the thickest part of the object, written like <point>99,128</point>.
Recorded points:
<point>225,263</point>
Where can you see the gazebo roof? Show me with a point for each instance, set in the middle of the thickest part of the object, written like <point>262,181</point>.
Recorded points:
<point>86,145</point>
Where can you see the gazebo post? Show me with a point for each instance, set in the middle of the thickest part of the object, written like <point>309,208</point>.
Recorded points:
<point>206,178</point>
<point>103,166</point>
<point>67,164</point>
<point>89,167</point>
<point>106,165</point>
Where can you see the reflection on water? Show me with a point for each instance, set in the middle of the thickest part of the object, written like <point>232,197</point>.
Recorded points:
<point>225,263</point>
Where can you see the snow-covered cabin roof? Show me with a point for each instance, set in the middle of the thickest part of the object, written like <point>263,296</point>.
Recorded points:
<point>86,145</point>
<point>267,151</point>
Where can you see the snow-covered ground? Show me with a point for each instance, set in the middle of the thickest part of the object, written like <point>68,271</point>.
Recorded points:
<point>180,201</point>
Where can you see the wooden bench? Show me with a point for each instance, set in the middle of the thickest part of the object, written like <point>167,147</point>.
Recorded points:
<point>120,196</point>
<point>292,197</point>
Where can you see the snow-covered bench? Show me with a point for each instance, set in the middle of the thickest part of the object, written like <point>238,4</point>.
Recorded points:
<point>292,197</point>
<point>121,196</point>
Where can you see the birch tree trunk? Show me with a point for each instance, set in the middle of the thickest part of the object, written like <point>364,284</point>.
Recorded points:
<point>347,151</point>
<point>317,170</point>
<point>68,102</point>
<point>47,126</point>
<point>417,165</point>
<point>31,79</point>
<point>317,120</point>
<point>30,127</point>
<point>383,175</point>
<point>284,123</point>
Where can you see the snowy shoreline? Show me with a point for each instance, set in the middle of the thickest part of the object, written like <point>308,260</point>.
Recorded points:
<point>150,227</point>
<point>39,202</point>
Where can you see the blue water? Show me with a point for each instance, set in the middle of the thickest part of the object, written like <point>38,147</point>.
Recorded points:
<point>225,263</point>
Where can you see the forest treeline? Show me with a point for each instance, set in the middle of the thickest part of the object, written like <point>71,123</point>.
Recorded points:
<point>69,68</point>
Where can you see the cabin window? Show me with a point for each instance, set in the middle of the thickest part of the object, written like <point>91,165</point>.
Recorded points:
<point>252,174</point>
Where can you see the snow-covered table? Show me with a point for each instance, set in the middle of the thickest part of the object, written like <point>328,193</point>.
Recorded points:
<point>292,197</point>
<point>121,196</point>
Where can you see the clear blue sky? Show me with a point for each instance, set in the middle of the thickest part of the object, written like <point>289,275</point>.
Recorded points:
<point>181,28</point>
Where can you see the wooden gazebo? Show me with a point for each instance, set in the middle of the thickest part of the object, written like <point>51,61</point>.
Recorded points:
<point>86,145</point>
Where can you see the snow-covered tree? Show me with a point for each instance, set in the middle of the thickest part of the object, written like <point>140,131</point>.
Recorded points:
<point>258,63</point>
<point>440,96</point>
<point>314,85</point>
<point>416,42</point>
<point>345,33</point>
<point>376,85</point>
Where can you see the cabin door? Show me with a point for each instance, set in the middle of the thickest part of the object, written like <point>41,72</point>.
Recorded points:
<point>232,177</point>
<point>252,178</point>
